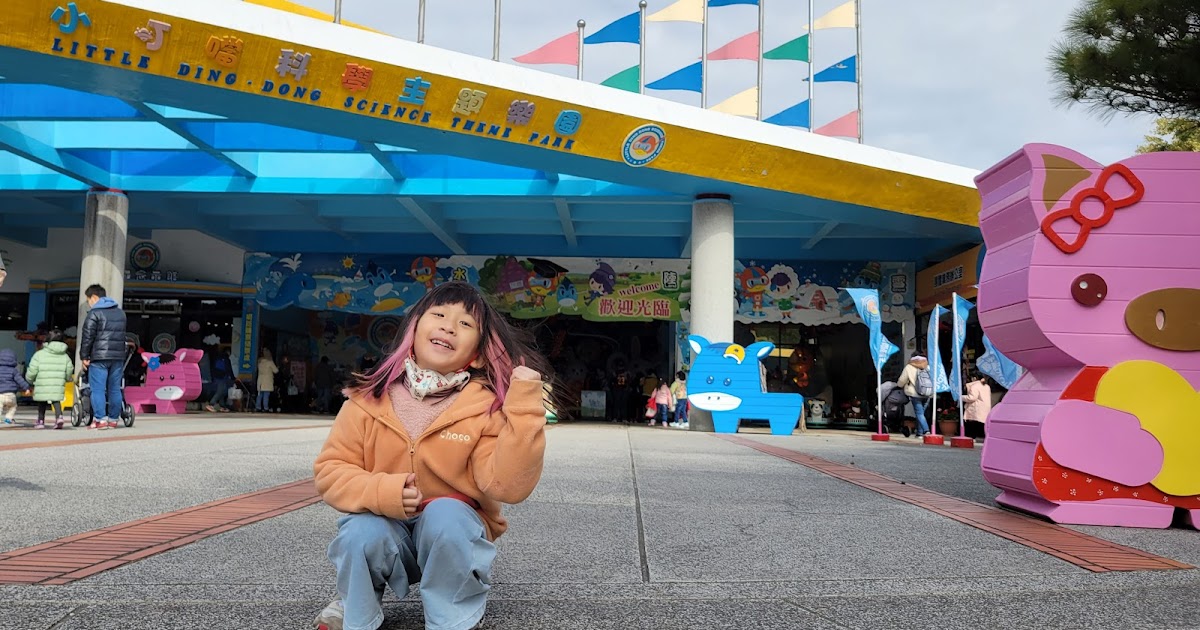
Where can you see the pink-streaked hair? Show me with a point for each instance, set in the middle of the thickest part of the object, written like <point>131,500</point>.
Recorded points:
<point>501,345</point>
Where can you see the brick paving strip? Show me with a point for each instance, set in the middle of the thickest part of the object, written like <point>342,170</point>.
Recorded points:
<point>127,438</point>
<point>1088,552</point>
<point>76,557</point>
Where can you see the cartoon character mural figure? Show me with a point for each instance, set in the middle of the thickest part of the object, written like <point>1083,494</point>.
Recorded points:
<point>171,382</point>
<point>543,280</point>
<point>567,294</point>
<point>783,291</point>
<point>753,281</point>
<point>1092,283</point>
<point>424,271</point>
<point>601,283</point>
<point>726,381</point>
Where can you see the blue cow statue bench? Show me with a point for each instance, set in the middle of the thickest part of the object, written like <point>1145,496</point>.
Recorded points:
<point>725,381</point>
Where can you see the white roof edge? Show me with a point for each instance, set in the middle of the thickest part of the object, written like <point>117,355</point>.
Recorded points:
<point>285,26</point>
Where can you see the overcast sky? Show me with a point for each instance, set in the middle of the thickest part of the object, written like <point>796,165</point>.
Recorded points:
<point>957,81</point>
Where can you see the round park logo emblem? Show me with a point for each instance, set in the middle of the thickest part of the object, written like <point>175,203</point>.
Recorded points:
<point>644,144</point>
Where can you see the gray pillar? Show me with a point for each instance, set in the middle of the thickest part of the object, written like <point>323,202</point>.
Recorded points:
<point>105,227</point>
<point>712,303</point>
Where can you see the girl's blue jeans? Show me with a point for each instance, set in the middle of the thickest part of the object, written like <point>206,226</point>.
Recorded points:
<point>662,414</point>
<point>445,550</point>
<point>264,400</point>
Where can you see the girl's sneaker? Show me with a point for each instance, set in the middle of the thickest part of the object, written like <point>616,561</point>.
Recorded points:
<point>331,618</point>
<point>8,421</point>
<point>41,424</point>
<point>58,422</point>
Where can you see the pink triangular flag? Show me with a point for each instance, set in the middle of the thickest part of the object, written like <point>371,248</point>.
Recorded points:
<point>744,47</point>
<point>564,50</point>
<point>844,127</point>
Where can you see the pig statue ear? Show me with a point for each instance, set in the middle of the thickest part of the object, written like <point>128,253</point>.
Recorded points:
<point>697,343</point>
<point>1059,171</point>
<point>146,356</point>
<point>1046,173</point>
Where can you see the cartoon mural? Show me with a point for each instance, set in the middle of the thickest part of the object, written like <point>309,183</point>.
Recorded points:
<point>1091,282</point>
<point>597,290</point>
<point>726,380</point>
<point>641,290</point>
<point>808,293</point>
<point>172,380</point>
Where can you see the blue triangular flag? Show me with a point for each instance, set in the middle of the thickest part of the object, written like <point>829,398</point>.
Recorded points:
<point>962,311</point>
<point>688,79</point>
<point>794,116</point>
<point>843,70</point>
<point>626,30</point>
<point>999,367</point>
<point>725,3</point>
<point>936,368</point>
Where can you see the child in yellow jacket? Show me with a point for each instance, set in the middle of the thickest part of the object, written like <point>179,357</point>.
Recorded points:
<point>428,446</point>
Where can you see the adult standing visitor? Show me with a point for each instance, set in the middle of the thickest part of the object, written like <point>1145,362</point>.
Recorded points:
<point>102,349</point>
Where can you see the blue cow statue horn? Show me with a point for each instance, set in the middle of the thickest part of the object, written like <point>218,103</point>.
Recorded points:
<point>726,382</point>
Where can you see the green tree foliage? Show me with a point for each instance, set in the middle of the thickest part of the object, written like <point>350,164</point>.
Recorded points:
<point>1173,134</point>
<point>1131,56</point>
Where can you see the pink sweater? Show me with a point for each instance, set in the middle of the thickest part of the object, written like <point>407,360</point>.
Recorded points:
<point>417,415</point>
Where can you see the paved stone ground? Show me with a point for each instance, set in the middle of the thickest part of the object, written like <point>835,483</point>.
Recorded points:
<point>630,528</point>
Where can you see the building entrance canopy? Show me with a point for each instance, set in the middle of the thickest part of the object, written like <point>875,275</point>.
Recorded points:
<point>279,132</point>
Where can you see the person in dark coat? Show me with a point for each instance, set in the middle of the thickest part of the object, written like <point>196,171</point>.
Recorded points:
<point>102,350</point>
<point>11,382</point>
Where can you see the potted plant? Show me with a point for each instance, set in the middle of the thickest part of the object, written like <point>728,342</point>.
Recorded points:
<point>948,421</point>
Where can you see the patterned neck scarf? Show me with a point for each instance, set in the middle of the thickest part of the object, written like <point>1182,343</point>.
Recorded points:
<point>422,382</point>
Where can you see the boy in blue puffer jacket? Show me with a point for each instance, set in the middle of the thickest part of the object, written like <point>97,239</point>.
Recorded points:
<point>11,382</point>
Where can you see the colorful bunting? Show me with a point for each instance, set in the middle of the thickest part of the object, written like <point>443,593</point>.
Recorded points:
<point>845,127</point>
<point>626,79</point>
<point>744,47</point>
<point>795,50</point>
<point>626,30</point>
<point>841,17</point>
<point>687,79</point>
<point>564,50</point>
<point>681,11</point>
<point>795,116</point>
<point>843,71</point>
<point>740,104</point>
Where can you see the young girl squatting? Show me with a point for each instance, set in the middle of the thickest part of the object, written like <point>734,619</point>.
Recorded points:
<point>421,456</point>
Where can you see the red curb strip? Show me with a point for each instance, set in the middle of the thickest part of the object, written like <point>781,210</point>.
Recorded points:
<point>127,438</point>
<point>72,558</point>
<point>1088,552</point>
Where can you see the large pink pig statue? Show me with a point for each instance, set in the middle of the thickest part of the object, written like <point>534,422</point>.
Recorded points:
<point>1091,281</point>
<point>171,382</point>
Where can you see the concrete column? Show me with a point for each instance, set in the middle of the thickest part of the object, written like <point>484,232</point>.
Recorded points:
<point>712,303</point>
<point>105,227</point>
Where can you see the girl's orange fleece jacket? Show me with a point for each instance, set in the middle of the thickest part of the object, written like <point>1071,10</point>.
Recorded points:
<point>493,458</point>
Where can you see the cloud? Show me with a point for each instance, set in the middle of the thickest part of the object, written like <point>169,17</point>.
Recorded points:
<point>960,82</point>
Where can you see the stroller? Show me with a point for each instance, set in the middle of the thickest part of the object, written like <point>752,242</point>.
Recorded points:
<point>82,413</point>
<point>894,400</point>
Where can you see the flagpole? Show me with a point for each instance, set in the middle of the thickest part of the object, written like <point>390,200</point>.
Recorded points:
<point>958,368</point>
<point>858,65</point>
<point>642,47</point>
<point>421,22</point>
<point>496,34</point>
<point>811,61</point>
<point>704,58</point>
<point>581,25</point>
<point>337,11</point>
<point>761,22</point>
<point>938,349</point>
